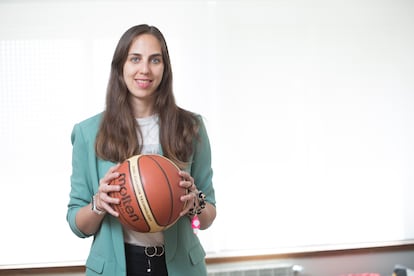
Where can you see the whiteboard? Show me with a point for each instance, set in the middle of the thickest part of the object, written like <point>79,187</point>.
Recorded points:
<point>309,107</point>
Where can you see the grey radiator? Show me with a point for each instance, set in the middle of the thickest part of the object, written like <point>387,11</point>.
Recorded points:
<point>253,269</point>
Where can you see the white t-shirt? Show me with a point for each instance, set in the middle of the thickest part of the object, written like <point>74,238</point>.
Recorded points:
<point>151,145</point>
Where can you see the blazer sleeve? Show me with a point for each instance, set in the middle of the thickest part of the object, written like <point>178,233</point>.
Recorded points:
<point>201,169</point>
<point>81,184</point>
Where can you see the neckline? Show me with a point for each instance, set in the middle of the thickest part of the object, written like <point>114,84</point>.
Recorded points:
<point>147,120</point>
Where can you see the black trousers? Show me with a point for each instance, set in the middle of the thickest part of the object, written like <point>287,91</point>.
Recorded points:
<point>145,261</point>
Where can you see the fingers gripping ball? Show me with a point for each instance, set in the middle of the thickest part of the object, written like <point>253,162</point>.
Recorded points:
<point>150,193</point>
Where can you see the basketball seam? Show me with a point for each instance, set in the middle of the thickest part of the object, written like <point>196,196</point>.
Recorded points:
<point>169,189</point>
<point>148,216</point>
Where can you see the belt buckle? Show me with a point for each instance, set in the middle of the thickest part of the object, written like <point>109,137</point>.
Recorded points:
<point>152,251</point>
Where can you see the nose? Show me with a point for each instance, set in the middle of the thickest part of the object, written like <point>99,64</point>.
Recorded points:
<point>144,68</point>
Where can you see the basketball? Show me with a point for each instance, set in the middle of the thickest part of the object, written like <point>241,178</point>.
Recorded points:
<point>150,193</point>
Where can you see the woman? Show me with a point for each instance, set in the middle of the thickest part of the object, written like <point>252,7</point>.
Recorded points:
<point>140,117</point>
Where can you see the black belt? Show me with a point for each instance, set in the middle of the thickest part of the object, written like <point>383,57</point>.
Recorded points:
<point>149,251</point>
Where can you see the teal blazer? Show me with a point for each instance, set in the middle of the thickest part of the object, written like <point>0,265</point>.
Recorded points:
<point>184,254</point>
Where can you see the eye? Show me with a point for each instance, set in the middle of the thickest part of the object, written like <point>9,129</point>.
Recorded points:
<point>156,60</point>
<point>134,59</point>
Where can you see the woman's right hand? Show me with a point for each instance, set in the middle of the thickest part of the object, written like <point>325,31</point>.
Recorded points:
<point>102,199</point>
<point>88,221</point>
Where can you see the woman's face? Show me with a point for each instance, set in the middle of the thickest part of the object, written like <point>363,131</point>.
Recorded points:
<point>143,70</point>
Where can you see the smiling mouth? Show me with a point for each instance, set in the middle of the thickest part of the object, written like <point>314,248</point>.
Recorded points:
<point>144,83</point>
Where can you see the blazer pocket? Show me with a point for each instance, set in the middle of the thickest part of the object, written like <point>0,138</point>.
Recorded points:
<point>95,264</point>
<point>197,254</point>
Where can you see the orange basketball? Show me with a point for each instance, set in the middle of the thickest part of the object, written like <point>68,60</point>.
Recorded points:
<point>150,193</point>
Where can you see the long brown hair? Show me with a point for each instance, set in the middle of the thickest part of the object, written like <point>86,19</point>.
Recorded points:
<point>117,137</point>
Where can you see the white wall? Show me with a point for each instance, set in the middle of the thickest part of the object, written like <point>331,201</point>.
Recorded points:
<point>309,107</point>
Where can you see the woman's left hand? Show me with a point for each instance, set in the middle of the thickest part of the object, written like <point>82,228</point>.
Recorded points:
<point>187,182</point>
<point>208,214</point>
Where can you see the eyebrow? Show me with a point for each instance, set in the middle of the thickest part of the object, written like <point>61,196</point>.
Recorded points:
<point>151,56</point>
